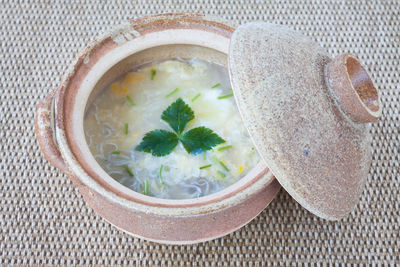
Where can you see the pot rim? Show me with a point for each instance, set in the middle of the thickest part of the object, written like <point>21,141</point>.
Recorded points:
<point>93,56</point>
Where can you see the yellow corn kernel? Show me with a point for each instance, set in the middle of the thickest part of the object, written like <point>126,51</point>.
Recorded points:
<point>133,77</point>
<point>241,169</point>
<point>117,89</point>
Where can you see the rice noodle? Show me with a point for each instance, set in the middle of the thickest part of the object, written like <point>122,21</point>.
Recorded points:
<point>107,130</point>
<point>195,188</point>
<point>102,145</point>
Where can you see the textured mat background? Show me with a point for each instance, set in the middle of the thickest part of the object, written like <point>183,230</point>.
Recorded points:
<point>44,220</point>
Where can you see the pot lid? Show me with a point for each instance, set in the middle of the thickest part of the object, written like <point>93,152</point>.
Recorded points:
<point>306,113</point>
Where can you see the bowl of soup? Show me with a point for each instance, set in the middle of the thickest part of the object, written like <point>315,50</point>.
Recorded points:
<point>146,125</point>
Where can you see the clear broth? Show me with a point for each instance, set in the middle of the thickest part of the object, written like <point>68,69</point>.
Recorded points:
<point>177,175</point>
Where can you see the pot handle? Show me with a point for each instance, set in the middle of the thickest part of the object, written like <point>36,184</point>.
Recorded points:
<point>45,132</point>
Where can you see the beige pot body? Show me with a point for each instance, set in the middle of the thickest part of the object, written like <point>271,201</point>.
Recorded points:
<point>59,129</point>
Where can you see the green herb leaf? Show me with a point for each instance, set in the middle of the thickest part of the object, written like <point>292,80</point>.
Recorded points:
<point>224,147</point>
<point>173,92</point>
<point>130,100</point>
<point>160,174</point>
<point>146,188</point>
<point>126,128</point>
<point>225,96</point>
<point>205,166</point>
<point>128,170</point>
<point>221,174</point>
<point>223,165</point>
<point>158,142</point>
<point>177,115</point>
<point>116,152</point>
<point>215,85</point>
<point>200,139</point>
<point>153,73</point>
<point>195,97</point>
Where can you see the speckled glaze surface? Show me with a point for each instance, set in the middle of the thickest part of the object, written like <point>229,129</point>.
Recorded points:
<point>306,113</point>
<point>59,128</point>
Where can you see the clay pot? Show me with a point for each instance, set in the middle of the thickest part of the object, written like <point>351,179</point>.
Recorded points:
<point>59,129</point>
<point>307,114</point>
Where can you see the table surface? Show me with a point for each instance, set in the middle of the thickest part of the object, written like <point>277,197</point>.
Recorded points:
<point>45,221</point>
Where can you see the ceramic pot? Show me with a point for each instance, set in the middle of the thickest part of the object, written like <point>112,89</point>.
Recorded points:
<point>59,129</point>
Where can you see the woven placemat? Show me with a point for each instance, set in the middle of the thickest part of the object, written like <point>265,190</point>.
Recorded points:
<point>45,221</point>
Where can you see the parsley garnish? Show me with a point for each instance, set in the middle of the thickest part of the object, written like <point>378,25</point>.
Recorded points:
<point>200,139</point>
<point>158,142</point>
<point>177,115</point>
<point>161,142</point>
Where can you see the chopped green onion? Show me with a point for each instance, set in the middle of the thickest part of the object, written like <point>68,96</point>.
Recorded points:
<point>153,73</point>
<point>173,92</point>
<point>204,155</point>
<point>130,100</point>
<point>160,174</point>
<point>224,147</point>
<point>215,85</point>
<point>225,96</point>
<point>196,96</point>
<point>146,188</point>
<point>221,174</point>
<point>126,129</point>
<point>205,166</point>
<point>116,152</point>
<point>128,170</point>
<point>223,165</point>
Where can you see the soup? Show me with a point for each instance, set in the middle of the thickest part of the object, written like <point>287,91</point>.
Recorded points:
<point>170,130</point>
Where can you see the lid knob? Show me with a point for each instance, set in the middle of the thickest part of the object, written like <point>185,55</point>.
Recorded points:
<point>353,89</point>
